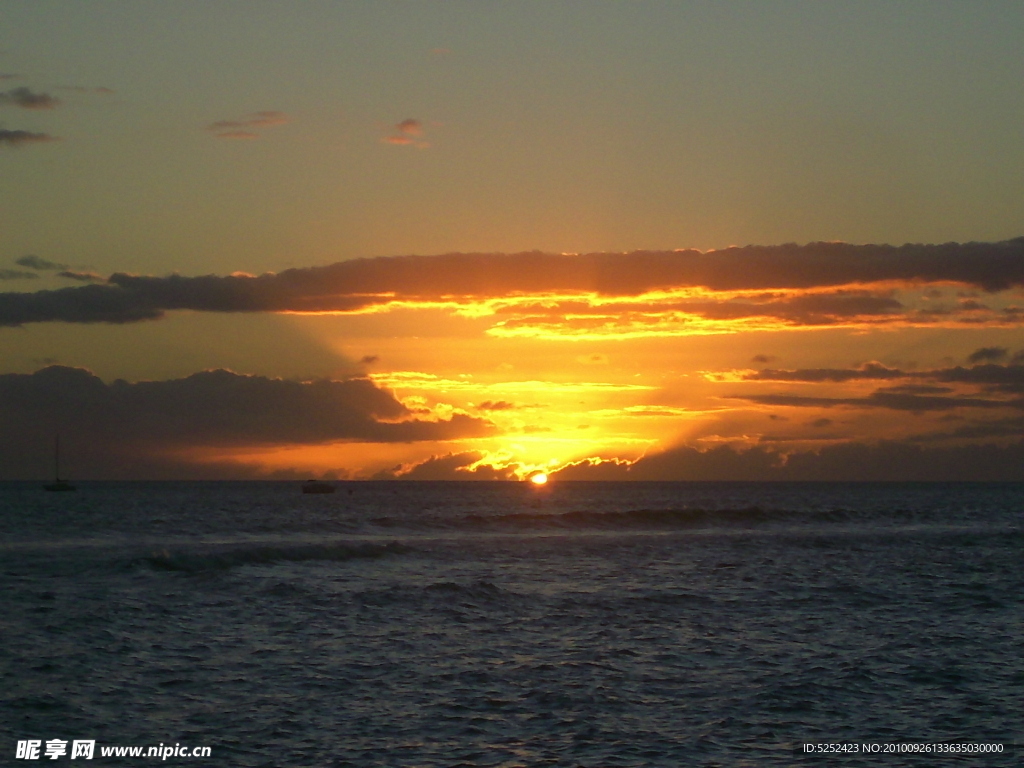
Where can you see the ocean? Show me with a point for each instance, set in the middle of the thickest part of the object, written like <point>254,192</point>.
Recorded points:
<point>501,624</point>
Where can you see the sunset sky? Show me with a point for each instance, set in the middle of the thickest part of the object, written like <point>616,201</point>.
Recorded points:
<point>463,240</point>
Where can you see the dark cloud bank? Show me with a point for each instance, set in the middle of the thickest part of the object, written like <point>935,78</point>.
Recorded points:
<point>144,430</point>
<point>141,430</point>
<point>361,283</point>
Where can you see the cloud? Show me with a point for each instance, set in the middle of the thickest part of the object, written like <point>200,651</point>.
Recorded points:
<point>989,376</point>
<point>17,274</point>
<point>120,423</point>
<point>988,354</point>
<point>15,138</point>
<point>408,132</point>
<point>867,371</point>
<point>883,461</point>
<point>667,315</point>
<point>28,99</point>
<point>82,277</point>
<point>241,128</point>
<point>893,400</point>
<point>979,430</point>
<point>452,466</point>
<point>917,389</point>
<point>85,304</point>
<point>410,127</point>
<point>617,294</point>
<point>34,262</point>
<point>88,89</point>
<point>496,405</point>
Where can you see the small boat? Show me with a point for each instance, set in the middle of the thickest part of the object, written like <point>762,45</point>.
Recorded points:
<point>317,486</point>
<point>58,484</point>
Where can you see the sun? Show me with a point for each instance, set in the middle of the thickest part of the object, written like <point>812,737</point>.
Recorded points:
<point>539,479</point>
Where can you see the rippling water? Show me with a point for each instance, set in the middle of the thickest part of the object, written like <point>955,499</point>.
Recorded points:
<point>479,624</point>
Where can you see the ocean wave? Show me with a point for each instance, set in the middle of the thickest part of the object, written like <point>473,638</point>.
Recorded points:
<point>223,558</point>
<point>450,594</point>
<point>652,518</point>
<point>682,518</point>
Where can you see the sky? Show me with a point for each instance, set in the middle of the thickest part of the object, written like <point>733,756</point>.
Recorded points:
<point>462,240</point>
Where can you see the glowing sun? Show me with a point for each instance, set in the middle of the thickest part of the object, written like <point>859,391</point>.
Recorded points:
<point>539,479</point>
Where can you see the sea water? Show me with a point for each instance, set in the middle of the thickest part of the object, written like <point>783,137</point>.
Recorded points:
<point>499,624</point>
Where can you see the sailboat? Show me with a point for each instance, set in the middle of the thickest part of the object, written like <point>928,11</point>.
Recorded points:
<point>58,484</point>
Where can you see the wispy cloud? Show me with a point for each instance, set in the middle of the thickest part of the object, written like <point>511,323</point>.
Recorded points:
<point>17,274</point>
<point>897,401</point>
<point>37,263</point>
<point>82,277</point>
<point>28,99</point>
<point>63,270</point>
<point>243,127</point>
<point>17,138</point>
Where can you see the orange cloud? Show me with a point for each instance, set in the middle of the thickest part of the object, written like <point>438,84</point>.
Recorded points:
<point>408,132</point>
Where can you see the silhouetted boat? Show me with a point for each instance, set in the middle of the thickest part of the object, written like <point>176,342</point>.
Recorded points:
<point>58,484</point>
<point>317,486</point>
